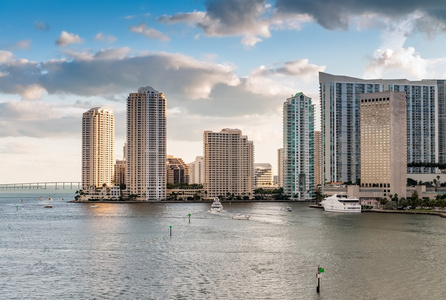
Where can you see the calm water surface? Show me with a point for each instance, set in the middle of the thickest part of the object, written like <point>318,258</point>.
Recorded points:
<point>124,251</point>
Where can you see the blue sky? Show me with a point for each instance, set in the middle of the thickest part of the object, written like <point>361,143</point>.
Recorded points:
<point>220,63</point>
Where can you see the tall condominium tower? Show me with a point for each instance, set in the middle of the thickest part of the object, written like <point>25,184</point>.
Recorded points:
<point>229,164</point>
<point>318,159</point>
<point>263,175</point>
<point>280,167</point>
<point>98,134</point>
<point>146,145</point>
<point>383,142</point>
<point>340,117</point>
<point>298,147</point>
<point>196,170</point>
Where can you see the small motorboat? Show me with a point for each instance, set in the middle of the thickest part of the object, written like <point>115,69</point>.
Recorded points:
<point>41,198</point>
<point>288,209</point>
<point>50,199</point>
<point>94,206</point>
<point>48,206</point>
<point>240,217</point>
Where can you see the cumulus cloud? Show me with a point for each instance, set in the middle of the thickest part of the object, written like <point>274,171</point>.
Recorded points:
<point>105,38</point>
<point>91,74</point>
<point>151,33</point>
<point>404,63</point>
<point>66,38</point>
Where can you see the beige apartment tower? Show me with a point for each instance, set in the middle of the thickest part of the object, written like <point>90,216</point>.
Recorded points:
<point>146,145</point>
<point>229,164</point>
<point>196,170</point>
<point>384,142</point>
<point>98,134</point>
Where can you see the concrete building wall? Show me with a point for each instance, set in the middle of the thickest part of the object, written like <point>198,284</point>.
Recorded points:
<point>229,163</point>
<point>383,141</point>
<point>146,145</point>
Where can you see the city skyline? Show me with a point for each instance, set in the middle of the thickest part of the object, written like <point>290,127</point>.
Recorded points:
<point>220,64</point>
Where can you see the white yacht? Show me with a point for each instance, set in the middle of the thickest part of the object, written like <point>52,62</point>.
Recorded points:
<point>341,204</point>
<point>216,205</point>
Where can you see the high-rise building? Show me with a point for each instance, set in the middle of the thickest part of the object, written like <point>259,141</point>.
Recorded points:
<point>177,170</point>
<point>318,159</point>
<point>146,145</point>
<point>298,147</point>
<point>383,142</point>
<point>120,170</point>
<point>263,175</point>
<point>196,171</point>
<point>441,93</point>
<point>98,134</point>
<point>280,167</point>
<point>229,164</point>
<point>340,123</point>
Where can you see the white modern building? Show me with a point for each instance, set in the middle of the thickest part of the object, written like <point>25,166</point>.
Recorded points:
<point>229,164</point>
<point>146,145</point>
<point>298,147</point>
<point>340,123</point>
<point>98,133</point>
<point>196,171</point>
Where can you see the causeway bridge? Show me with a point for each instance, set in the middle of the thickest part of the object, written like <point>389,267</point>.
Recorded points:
<point>41,185</point>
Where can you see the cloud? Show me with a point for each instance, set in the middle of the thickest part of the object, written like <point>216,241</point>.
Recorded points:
<point>42,26</point>
<point>250,40</point>
<point>24,44</point>
<point>151,33</point>
<point>66,38</point>
<point>91,74</point>
<point>105,38</point>
<point>35,119</point>
<point>340,14</point>
<point>32,92</point>
<point>404,63</point>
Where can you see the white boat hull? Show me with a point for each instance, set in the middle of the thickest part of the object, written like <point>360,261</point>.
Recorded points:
<point>338,203</point>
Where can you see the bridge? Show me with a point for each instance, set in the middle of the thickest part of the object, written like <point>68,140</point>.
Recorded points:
<point>41,185</point>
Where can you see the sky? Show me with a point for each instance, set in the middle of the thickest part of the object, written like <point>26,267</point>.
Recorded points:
<point>220,64</point>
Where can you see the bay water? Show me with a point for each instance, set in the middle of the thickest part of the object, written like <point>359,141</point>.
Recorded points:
<point>152,251</point>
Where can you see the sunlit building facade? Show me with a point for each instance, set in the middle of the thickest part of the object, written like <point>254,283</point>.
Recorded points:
<point>298,147</point>
<point>383,142</point>
<point>229,164</point>
<point>98,134</point>
<point>146,145</point>
<point>263,175</point>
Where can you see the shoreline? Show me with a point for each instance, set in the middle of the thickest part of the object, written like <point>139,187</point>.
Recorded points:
<point>178,201</point>
<point>410,212</point>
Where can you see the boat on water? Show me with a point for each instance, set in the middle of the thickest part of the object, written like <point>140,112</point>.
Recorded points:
<point>240,217</point>
<point>340,203</point>
<point>48,206</point>
<point>50,199</point>
<point>94,206</point>
<point>216,205</point>
<point>288,208</point>
<point>41,198</point>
